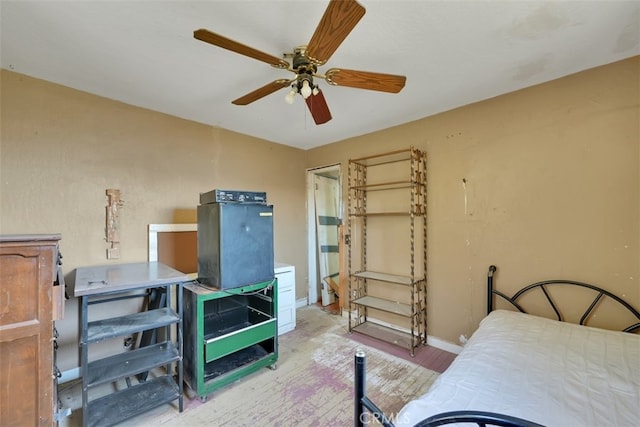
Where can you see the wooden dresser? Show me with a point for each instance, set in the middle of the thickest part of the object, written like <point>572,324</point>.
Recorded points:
<point>28,270</point>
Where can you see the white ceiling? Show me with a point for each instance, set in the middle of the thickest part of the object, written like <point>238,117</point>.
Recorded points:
<point>453,53</point>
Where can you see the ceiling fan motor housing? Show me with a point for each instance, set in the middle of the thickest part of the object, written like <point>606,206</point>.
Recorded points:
<point>303,67</point>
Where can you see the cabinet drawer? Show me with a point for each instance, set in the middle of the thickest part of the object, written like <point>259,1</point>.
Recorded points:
<point>286,315</point>
<point>226,344</point>
<point>286,297</point>
<point>285,281</point>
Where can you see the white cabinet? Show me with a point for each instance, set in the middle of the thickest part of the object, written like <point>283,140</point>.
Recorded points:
<point>286,275</point>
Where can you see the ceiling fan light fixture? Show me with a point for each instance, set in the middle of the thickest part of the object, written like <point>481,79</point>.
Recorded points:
<point>291,96</point>
<point>305,90</point>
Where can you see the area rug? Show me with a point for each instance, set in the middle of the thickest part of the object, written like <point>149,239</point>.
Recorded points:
<point>312,385</point>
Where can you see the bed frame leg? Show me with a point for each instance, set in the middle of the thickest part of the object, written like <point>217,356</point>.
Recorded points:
<point>362,402</point>
<point>359,392</point>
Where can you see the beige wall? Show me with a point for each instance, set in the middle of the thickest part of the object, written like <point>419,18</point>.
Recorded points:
<point>552,184</point>
<point>61,149</point>
<point>552,190</point>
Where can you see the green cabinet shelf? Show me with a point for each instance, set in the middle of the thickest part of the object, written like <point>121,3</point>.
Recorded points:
<point>228,334</point>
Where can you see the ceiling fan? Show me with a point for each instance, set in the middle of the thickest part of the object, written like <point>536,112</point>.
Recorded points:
<point>340,17</point>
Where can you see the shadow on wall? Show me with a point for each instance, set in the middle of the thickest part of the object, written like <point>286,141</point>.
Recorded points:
<point>185,216</point>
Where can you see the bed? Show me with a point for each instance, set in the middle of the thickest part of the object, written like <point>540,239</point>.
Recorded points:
<point>518,369</point>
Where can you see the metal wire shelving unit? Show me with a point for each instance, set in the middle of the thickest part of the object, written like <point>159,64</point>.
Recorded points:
<point>393,291</point>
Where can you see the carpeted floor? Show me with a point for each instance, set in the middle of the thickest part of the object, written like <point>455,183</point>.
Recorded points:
<point>312,386</point>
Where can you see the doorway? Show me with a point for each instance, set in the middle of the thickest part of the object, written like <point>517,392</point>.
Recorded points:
<point>324,207</point>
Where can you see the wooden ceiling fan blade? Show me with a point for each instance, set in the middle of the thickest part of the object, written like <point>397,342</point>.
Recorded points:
<point>340,17</point>
<point>365,80</point>
<point>265,90</point>
<point>225,43</point>
<point>318,108</point>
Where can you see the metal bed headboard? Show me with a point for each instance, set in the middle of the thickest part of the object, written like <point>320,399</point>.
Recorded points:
<point>363,403</point>
<point>513,300</point>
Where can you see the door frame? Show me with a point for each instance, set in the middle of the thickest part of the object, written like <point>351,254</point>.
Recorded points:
<point>335,171</point>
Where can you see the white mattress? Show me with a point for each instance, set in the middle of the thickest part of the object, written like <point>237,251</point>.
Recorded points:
<point>545,371</point>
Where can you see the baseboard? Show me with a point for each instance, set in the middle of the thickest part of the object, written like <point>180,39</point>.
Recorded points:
<point>443,345</point>
<point>302,302</point>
